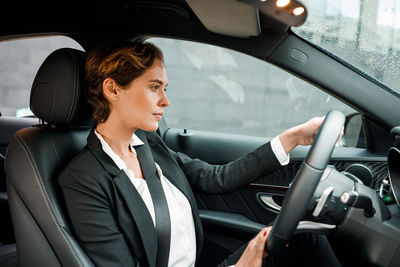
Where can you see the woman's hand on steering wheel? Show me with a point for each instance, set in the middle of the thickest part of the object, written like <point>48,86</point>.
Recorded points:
<point>302,134</point>
<point>254,253</point>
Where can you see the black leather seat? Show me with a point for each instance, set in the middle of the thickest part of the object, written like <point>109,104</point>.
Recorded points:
<point>8,126</point>
<point>35,157</point>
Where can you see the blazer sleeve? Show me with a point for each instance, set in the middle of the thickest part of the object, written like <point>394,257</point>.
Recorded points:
<point>208,178</point>
<point>93,221</point>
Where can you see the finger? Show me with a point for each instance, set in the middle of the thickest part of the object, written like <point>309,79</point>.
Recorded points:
<point>258,243</point>
<point>266,232</point>
<point>262,238</point>
<point>340,136</point>
<point>268,229</point>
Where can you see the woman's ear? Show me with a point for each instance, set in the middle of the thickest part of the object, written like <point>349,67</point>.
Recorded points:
<point>110,89</point>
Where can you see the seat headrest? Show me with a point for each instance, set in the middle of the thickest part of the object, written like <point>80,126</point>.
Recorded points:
<point>57,95</point>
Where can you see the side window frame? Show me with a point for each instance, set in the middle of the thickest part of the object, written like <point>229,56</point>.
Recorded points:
<point>186,62</point>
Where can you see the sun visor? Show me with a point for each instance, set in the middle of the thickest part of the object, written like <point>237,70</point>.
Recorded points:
<point>227,17</point>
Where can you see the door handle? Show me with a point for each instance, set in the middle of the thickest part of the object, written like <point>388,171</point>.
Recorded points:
<point>270,203</point>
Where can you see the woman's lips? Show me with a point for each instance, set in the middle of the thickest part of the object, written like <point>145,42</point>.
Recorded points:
<point>158,116</point>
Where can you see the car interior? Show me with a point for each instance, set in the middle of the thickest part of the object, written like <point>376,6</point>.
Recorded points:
<point>347,190</point>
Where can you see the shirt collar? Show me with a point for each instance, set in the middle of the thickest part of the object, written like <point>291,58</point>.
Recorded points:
<point>135,141</point>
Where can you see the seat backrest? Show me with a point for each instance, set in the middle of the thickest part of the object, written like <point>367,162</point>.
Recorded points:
<point>8,126</point>
<point>35,157</point>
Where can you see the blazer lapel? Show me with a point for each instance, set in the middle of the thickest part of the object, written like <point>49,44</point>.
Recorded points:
<point>108,164</point>
<point>136,206</point>
<point>140,214</point>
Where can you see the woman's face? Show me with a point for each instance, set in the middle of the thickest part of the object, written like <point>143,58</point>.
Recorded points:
<point>141,105</point>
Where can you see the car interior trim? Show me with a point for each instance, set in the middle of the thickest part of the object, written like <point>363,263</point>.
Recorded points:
<point>240,19</point>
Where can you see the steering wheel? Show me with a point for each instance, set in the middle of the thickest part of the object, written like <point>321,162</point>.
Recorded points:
<point>306,181</point>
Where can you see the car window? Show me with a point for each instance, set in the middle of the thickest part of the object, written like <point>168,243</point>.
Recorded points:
<point>19,61</point>
<point>365,34</point>
<point>219,90</point>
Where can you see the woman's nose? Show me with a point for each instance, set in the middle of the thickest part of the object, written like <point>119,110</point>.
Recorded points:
<point>164,101</point>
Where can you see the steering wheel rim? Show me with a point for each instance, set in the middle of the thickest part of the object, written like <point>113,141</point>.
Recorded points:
<point>306,181</point>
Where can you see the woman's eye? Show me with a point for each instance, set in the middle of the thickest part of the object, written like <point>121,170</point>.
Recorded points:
<point>155,87</point>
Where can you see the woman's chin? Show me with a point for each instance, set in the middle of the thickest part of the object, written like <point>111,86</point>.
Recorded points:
<point>151,127</point>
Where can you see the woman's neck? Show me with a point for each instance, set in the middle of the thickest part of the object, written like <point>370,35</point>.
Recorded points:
<point>116,135</point>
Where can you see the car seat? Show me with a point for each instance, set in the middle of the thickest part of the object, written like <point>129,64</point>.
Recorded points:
<point>35,157</point>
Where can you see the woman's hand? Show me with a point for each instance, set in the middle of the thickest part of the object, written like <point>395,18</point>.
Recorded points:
<point>254,252</point>
<point>308,130</point>
<point>302,134</point>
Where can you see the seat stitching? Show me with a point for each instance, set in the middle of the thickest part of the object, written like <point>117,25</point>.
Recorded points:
<point>58,157</point>
<point>45,197</point>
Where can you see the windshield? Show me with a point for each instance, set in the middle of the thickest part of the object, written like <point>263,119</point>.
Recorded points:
<point>364,33</point>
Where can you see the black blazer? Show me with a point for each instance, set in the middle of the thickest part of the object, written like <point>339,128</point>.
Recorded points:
<point>109,217</point>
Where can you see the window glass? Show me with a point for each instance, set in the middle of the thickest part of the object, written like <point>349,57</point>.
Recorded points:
<point>219,90</point>
<point>364,33</point>
<point>19,61</point>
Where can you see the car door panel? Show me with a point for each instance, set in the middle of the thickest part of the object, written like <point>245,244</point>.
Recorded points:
<point>225,216</point>
<point>219,148</point>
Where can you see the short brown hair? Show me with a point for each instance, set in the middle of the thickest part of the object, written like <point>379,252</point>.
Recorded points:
<point>120,61</point>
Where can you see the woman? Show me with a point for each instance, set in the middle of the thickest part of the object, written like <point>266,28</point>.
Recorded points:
<point>128,195</point>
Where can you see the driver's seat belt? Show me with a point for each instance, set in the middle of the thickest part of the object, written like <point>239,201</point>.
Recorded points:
<point>163,222</point>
